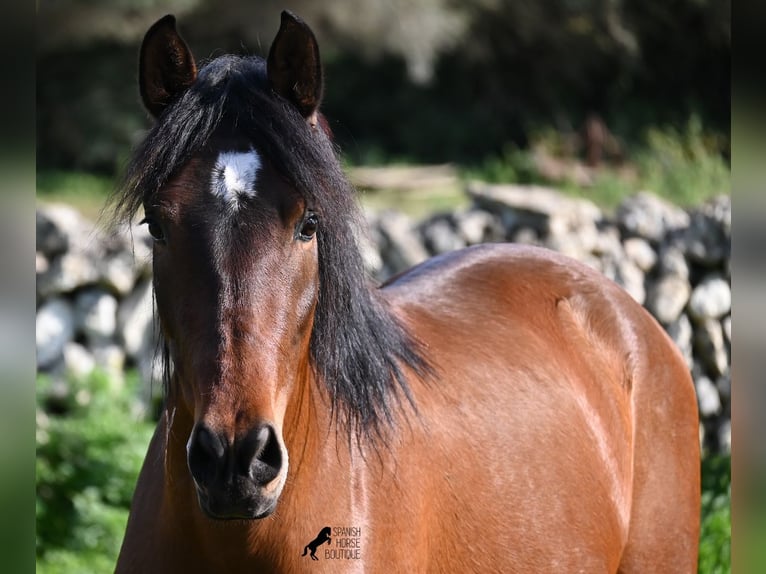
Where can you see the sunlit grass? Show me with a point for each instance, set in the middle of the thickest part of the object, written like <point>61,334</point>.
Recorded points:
<point>416,203</point>
<point>682,165</point>
<point>85,191</point>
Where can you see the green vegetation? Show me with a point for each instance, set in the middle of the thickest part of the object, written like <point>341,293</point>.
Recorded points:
<point>85,191</point>
<point>417,204</point>
<point>92,439</point>
<point>684,166</point>
<point>715,531</point>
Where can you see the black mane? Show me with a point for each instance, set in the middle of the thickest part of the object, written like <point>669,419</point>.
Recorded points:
<point>358,347</point>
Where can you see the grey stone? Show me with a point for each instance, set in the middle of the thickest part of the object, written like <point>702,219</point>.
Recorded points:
<point>707,397</point>
<point>54,329</point>
<point>511,222</point>
<point>61,228</point>
<point>78,361</point>
<point>51,239</point>
<point>707,240</point>
<point>631,278</point>
<point>607,243</point>
<point>526,236</point>
<point>709,347</point>
<point>478,226</point>
<point>542,208</point>
<point>607,266</point>
<point>135,319</point>
<point>41,263</point>
<point>401,247</point>
<point>67,273</point>
<point>723,384</point>
<point>673,262</point>
<point>54,224</point>
<point>440,237</point>
<point>96,314</point>
<point>88,255</point>
<point>118,272</point>
<point>681,332</point>
<point>667,297</point>
<point>575,243</point>
<point>110,358</point>
<point>726,324</point>
<point>724,437</point>
<point>646,215</point>
<point>566,244</point>
<point>369,241</point>
<point>718,209</point>
<point>640,252</point>
<point>711,299</point>
<point>704,243</point>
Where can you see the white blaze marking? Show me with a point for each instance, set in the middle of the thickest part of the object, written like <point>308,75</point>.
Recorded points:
<point>234,175</point>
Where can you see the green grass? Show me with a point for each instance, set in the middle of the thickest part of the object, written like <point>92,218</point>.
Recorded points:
<point>513,165</point>
<point>85,191</point>
<point>683,165</point>
<point>418,204</point>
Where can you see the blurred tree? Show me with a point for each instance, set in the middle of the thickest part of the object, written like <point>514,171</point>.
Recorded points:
<point>428,80</point>
<point>67,24</point>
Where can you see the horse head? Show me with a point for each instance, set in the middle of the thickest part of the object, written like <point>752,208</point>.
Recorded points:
<point>235,255</point>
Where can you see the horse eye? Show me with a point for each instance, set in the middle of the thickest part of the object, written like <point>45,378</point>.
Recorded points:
<point>309,227</point>
<point>155,230</point>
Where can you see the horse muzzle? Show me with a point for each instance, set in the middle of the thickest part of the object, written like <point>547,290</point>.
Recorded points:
<point>237,480</point>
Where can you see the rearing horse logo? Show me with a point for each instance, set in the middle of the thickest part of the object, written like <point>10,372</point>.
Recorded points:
<point>322,537</point>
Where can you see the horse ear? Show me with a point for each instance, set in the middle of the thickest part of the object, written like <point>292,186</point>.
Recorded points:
<point>293,66</point>
<point>166,65</point>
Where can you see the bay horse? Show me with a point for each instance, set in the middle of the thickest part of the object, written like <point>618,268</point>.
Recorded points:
<point>496,409</point>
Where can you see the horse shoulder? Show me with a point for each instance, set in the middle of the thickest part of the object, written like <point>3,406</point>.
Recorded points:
<point>538,357</point>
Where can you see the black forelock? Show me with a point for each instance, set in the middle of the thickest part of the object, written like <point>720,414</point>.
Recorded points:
<point>358,347</point>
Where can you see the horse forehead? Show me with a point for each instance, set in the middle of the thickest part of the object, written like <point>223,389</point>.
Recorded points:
<point>235,174</point>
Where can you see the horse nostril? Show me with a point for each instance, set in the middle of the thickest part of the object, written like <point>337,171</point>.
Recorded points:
<point>206,451</point>
<point>260,454</point>
<point>262,436</point>
<point>210,443</point>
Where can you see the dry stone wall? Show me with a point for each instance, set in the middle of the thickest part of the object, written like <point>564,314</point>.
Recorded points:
<point>95,307</point>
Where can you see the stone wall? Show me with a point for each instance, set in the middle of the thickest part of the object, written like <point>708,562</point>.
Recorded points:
<point>95,301</point>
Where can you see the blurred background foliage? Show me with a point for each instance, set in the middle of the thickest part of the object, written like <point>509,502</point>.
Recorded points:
<point>91,441</point>
<point>412,80</point>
